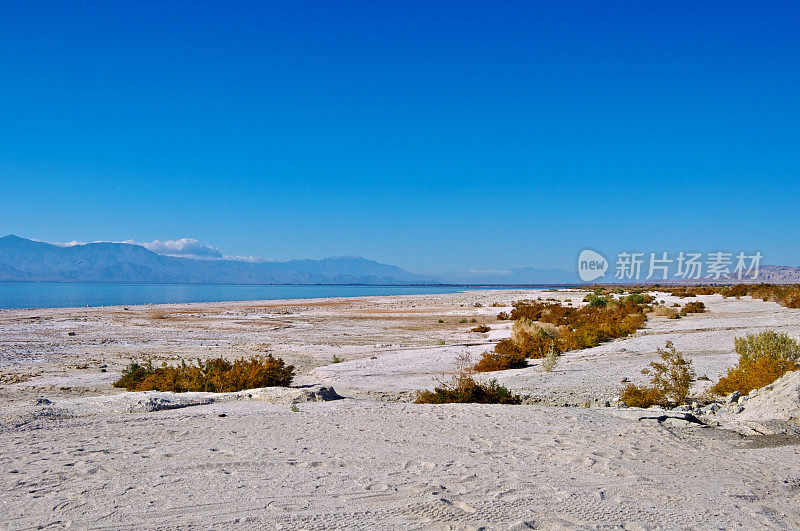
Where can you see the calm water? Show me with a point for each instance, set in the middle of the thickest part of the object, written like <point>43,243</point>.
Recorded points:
<point>65,295</point>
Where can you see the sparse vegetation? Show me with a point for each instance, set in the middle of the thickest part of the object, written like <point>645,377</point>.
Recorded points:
<point>551,359</point>
<point>215,375</point>
<point>158,313</point>
<point>500,361</point>
<point>464,389</point>
<point>664,311</point>
<point>693,307</point>
<point>336,359</point>
<point>481,328</point>
<point>763,358</point>
<point>503,316</point>
<point>587,326</point>
<point>669,384</point>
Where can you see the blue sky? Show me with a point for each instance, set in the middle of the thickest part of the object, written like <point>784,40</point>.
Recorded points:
<point>438,136</point>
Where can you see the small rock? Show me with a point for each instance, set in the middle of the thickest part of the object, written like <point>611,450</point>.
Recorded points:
<point>42,402</point>
<point>742,400</point>
<point>625,380</point>
<point>703,378</point>
<point>733,397</point>
<point>70,333</point>
<point>738,410</point>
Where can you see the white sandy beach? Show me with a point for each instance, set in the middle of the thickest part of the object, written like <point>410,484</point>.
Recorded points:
<point>76,452</point>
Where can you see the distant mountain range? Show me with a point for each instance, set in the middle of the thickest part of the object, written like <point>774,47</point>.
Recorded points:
<point>22,259</point>
<point>29,260</point>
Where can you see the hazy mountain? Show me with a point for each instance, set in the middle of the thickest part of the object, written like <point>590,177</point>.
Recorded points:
<point>22,259</point>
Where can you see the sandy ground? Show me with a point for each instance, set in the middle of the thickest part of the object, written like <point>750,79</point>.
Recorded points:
<point>372,459</point>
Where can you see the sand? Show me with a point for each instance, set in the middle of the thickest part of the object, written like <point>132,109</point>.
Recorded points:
<point>77,452</point>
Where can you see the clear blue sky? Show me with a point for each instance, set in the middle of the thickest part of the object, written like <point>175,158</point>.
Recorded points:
<point>431,135</point>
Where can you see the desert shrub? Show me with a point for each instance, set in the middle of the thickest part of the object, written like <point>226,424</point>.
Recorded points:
<point>463,320</point>
<point>664,311</point>
<point>597,301</point>
<point>640,298</point>
<point>583,327</point>
<point>768,343</point>
<point>693,307</point>
<point>763,358</point>
<point>500,361</point>
<point>481,329</point>
<point>783,294</point>
<point>670,381</point>
<point>463,388</point>
<point>158,313</point>
<point>529,339</point>
<point>551,359</point>
<point>503,316</point>
<point>467,390</point>
<point>635,396</point>
<point>336,359</point>
<point>215,375</point>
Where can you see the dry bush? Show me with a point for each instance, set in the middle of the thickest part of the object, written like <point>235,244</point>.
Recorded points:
<point>670,381</point>
<point>216,375</point>
<point>158,313</point>
<point>763,358</point>
<point>500,361</point>
<point>635,396</point>
<point>664,311</point>
<point>503,316</point>
<point>464,389</point>
<point>481,329</point>
<point>787,295</point>
<point>578,328</point>
<point>551,359</point>
<point>693,307</point>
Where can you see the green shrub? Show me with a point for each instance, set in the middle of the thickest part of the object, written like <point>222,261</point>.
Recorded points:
<point>769,343</point>
<point>763,358</point>
<point>670,381</point>
<point>640,298</point>
<point>216,375</point>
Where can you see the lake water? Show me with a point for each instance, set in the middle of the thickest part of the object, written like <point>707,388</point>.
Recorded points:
<point>66,295</point>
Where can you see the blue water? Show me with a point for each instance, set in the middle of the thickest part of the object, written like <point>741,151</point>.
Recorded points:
<point>70,295</point>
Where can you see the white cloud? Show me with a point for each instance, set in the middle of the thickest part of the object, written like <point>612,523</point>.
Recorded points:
<point>188,247</point>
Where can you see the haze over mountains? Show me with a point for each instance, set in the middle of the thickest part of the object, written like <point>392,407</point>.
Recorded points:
<point>22,259</point>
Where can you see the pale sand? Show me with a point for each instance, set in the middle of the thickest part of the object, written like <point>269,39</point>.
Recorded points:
<point>363,461</point>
